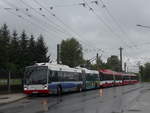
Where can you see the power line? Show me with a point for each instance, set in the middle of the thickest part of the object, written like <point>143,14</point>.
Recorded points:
<point>28,15</point>
<point>101,20</point>
<point>52,14</point>
<point>57,17</point>
<point>67,26</point>
<point>116,22</point>
<point>76,33</point>
<point>83,4</point>
<point>21,17</point>
<point>41,27</point>
<point>118,25</point>
<point>44,16</point>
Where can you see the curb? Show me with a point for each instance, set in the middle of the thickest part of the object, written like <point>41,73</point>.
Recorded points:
<point>13,101</point>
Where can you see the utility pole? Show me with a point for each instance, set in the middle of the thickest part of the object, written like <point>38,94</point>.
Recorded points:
<point>125,67</point>
<point>58,53</point>
<point>139,64</point>
<point>9,82</point>
<point>121,58</point>
<point>97,60</point>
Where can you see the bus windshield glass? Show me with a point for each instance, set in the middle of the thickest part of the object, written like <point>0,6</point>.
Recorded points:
<point>36,75</point>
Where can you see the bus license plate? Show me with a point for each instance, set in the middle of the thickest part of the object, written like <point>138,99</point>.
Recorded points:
<point>34,92</point>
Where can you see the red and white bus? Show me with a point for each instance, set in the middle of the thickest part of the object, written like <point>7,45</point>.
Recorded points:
<point>111,78</point>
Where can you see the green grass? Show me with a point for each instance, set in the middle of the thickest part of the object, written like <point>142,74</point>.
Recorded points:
<point>16,82</point>
<point>146,80</point>
<point>3,81</point>
<point>12,82</point>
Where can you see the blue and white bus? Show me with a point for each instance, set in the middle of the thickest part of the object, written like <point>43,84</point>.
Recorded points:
<point>47,78</point>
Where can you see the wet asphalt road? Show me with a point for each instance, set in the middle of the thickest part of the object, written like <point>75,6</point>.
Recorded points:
<point>108,100</point>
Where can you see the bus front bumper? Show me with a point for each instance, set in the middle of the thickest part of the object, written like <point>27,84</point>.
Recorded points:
<point>36,92</point>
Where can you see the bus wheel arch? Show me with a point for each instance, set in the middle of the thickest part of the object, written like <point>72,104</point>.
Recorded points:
<point>79,88</point>
<point>59,89</point>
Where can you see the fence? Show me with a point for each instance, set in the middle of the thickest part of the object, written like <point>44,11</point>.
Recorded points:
<point>10,82</point>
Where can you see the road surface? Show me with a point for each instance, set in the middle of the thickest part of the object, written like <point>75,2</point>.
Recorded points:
<point>108,100</point>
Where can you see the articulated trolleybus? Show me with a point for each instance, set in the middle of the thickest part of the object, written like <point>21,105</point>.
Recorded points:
<point>48,78</point>
<point>111,78</point>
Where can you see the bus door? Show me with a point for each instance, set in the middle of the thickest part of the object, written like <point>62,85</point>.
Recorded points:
<point>84,79</point>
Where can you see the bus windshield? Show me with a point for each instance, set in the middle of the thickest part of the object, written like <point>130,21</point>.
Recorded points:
<point>36,75</point>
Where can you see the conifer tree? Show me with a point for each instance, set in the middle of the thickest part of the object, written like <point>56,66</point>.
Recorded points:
<point>14,48</point>
<point>32,50</point>
<point>23,50</point>
<point>41,50</point>
<point>4,46</point>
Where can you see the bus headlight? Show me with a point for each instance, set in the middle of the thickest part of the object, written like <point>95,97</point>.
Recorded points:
<point>25,88</point>
<point>44,87</point>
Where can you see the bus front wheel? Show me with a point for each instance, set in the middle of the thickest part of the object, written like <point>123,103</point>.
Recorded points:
<point>79,88</point>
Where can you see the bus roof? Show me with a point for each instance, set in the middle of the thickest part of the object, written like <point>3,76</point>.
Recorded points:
<point>58,67</point>
<point>87,70</point>
<point>110,72</point>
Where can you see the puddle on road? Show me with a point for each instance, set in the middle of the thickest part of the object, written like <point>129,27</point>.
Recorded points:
<point>44,105</point>
<point>101,101</point>
<point>101,92</point>
<point>26,102</point>
<point>116,112</point>
<point>40,112</point>
<point>135,110</point>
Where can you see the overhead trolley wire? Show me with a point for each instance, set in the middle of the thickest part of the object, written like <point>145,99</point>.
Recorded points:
<point>116,22</point>
<point>35,19</point>
<point>45,17</point>
<point>52,14</point>
<point>21,17</point>
<point>67,26</point>
<point>29,15</point>
<point>64,24</point>
<point>101,20</point>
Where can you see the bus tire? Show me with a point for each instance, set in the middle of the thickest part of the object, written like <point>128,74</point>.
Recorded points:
<point>59,90</point>
<point>96,85</point>
<point>79,88</point>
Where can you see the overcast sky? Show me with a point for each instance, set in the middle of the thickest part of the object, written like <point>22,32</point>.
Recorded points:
<point>104,26</point>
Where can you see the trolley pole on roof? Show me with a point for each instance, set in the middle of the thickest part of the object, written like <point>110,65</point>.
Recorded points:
<point>121,58</point>
<point>125,67</point>
<point>58,53</point>
<point>97,60</point>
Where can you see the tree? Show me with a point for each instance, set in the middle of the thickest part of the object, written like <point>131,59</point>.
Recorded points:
<point>71,52</point>
<point>17,52</point>
<point>13,52</point>
<point>23,50</point>
<point>113,63</point>
<point>4,45</point>
<point>41,50</point>
<point>146,72</point>
<point>32,50</point>
<point>14,48</point>
<point>141,71</point>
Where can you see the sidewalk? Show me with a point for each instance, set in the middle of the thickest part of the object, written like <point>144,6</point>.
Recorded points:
<point>8,98</point>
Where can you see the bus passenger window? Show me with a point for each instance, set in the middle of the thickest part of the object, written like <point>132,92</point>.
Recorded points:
<point>54,76</point>
<point>50,77</point>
